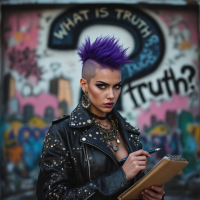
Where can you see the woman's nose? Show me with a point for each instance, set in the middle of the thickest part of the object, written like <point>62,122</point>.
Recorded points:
<point>110,94</point>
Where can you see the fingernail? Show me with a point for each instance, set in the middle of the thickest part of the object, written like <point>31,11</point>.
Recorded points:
<point>142,192</point>
<point>152,187</point>
<point>146,190</point>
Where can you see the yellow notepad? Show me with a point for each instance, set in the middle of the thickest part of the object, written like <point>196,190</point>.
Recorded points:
<point>162,172</point>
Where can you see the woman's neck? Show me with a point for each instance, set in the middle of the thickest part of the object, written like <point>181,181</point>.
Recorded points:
<point>97,112</point>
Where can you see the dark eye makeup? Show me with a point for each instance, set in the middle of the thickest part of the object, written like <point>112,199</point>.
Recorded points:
<point>103,86</point>
<point>118,86</point>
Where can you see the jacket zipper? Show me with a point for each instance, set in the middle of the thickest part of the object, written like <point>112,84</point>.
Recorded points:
<point>88,164</point>
<point>86,155</point>
<point>102,151</point>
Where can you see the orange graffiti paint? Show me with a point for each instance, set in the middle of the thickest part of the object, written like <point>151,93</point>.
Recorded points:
<point>184,45</point>
<point>195,130</point>
<point>15,154</point>
<point>18,36</point>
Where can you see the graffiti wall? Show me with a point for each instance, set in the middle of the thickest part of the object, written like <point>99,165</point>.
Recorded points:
<point>160,92</point>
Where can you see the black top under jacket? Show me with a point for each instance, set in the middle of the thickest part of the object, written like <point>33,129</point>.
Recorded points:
<point>76,162</point>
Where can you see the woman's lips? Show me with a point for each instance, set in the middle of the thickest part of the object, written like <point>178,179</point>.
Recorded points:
<point>108,105</point>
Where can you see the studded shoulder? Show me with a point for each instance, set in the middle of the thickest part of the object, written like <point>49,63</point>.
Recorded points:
<point>132,128</point>
<point>55,121</point>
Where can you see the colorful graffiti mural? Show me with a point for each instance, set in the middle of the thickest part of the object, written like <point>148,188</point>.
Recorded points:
<point>160,92</point>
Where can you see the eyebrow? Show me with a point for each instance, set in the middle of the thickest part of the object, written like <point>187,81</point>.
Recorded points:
<point>107,83</point>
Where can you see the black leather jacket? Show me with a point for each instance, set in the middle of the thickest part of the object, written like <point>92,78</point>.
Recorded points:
<point>76,162</point>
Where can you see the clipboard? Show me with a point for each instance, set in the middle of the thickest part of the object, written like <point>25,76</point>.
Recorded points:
<point>162,172</point>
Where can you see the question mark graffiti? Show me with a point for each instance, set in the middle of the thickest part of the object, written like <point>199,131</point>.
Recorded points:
<point>191,74</point>
<point>55,66</point>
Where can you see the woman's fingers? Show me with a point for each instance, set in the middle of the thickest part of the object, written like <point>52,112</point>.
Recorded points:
<point>142,158</point>
<point>143,167</point>
<point>151,194</point>
<point>147,197</point>
<point>141,163</point>
<point>159,189</point>
<point>141,152</point>
<point>136,162</point>
<point>156,193</point>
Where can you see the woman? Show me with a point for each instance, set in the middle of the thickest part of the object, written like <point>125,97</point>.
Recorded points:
<point>82,152</point>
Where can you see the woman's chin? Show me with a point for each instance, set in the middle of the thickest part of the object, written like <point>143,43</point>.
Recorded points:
<point>102,109</point>
<point>107,110</point>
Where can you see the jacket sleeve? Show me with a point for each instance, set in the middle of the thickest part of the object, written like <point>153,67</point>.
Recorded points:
<point>57,176</point>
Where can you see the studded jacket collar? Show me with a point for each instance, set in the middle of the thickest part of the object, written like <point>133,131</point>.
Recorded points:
<point>80,118</point>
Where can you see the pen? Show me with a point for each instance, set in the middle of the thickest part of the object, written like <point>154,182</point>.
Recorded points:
<point>150,152</point>
<point>154,150</point>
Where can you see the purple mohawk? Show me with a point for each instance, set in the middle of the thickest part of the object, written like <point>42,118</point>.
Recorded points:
<point>105,51</point>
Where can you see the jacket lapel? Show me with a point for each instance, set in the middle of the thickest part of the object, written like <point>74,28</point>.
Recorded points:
<point>80,118</point>
<point>129,133</point>
<point>93,138</point>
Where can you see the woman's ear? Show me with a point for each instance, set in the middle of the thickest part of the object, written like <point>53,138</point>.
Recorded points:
<point>84,84</point>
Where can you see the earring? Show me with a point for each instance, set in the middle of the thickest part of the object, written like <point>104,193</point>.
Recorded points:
<point>85,101</point>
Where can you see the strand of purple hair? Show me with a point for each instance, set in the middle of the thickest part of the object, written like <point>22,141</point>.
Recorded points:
<point>104,50</point>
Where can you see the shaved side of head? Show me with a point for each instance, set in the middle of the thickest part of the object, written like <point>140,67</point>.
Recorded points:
<point>89,69</point>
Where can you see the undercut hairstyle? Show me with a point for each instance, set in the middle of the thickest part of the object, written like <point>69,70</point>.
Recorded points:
<point>105,50</point>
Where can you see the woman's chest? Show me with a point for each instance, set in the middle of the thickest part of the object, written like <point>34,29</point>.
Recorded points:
<point>94,156</point>
<point>119,148</point>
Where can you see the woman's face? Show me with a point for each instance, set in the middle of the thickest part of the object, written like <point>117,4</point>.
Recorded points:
<point>103,90</point>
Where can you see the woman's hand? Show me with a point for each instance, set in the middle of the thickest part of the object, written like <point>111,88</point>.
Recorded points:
<point>155,193</point>
<point>135,163</point>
